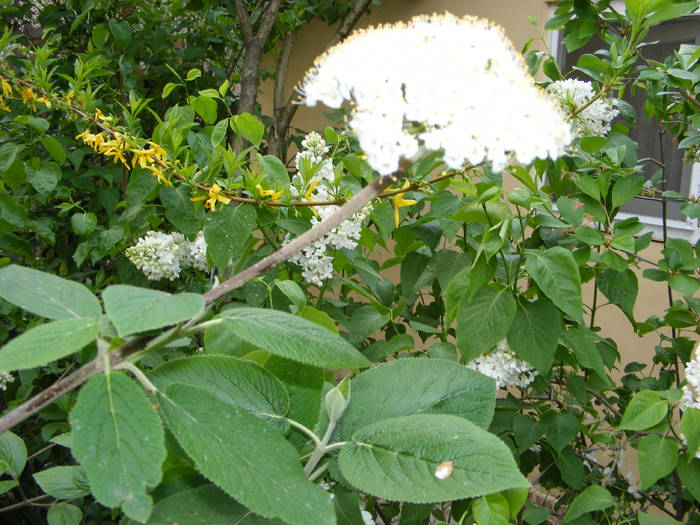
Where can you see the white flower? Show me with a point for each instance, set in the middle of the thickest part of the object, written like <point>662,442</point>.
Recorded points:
<point>438,83</point>
<point>316,264</point>
<point>5,379</point>
<point>367,517</point>
<point>595,119</point>
<point>164,255</point>
<point>504,366</point>
<point>691,391</point>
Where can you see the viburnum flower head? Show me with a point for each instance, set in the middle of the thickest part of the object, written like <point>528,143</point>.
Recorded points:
<point>438,83</point>
<point>596,117</point>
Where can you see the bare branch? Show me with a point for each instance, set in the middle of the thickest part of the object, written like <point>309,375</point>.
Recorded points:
<point>246,28</point>
<point>348,23</point>
<point>267,20</point>
<point>280,123</point>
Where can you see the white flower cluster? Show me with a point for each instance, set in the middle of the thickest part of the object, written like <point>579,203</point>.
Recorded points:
<point>504,366</point>
<point>691,391</point>
<point>438,83</point>
<point>5,379</point>
<point>595,119</point>
<point>314,260</point>
<point>164,255</point>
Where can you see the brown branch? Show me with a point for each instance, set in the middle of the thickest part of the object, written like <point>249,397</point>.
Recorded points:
<point>24,503</point>
<point>349,22</point>
<point>246,28</point>
<point>80,376</point>
<point>279,132</point>
<point>346,26</point>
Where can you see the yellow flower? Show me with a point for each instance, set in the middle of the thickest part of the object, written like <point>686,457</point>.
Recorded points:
<point>312,187</point>
<point>274,196</point>
<point>69,97</point>
<point>3,106</point>
<point>158,172</point>
<point>158,151</point>
<point>45,101</point>
<point>6,87</point>
<point>143,157</point>
<point>214,197</point>
<point>400,202</point>
<point>101,116</point>
<point>29,97</point>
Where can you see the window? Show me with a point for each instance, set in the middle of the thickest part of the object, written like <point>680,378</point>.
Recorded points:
<point>678,176</point>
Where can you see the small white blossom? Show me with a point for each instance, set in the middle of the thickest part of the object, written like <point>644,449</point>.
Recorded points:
<point>691,391</point>
<point>595,119</point>
<point>5,379</point>
<point>164,255</point>
<point>504,366</point>
<point>367,517</point>
<point>314,260</point>
<point>438,83</point>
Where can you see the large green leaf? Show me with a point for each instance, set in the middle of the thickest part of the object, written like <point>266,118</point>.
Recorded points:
<point>534,334</point>
<point>13,454</point>
<point>560,429</point>
<point>248,127</point>
<point>592,499</point>
<point>180,210</point>
<point>396,459</point>
<point>656,458</point>
<point>620,288</point>
<point>645,410</point>
<point>134,309</point>
<point>418,386</point>
<point>648,519</point>
<point>491,510</point>
<point>203,505</point>
<point>226,233</point>
<point>484,321</point>
<point>47,295</point>
<point>66,482</point>
<point>690,426</point>
<point>232,380</point>
<point>244,456</point>
<point>556,273</point>
<point>689,472</point>
<point>47,342</point>
<point>64,514</point>
<point>292,337</point>
<point>117,436</point>
<point>581,341</point>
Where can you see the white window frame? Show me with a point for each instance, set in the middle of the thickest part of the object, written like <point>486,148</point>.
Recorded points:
<point>688,229</point>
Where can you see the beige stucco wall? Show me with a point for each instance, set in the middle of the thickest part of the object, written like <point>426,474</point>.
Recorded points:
<point>512,15</point>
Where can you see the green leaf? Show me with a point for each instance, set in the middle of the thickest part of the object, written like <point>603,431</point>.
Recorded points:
<point>275,170</point>
<point>180,210</point>
<point>218,134</point>
<point>670,11</point>
<point>592,144</point>
<point>118,438</point>
<point>248,127</point>
<point>581,341</point>
<point>556,273</point>
<point>292,337</point>
<point>63,482</point>
<point>484,321</point>
<point>418,386</point>
<point>560,429</point>
<point>245,457</point>
<point>648,519</point>
<point>396,459</point>
<point>689,471</point>
<point>167,89</point>
<point>121,31</point>
<point>55,149</point>
<point>47,342</point>
<point>620,288</point>
<point>8,155</point>
<point>13,212</point>
<point>47,295</point>
<point>233,381</point>
<point>589,235</point>
<point>534,334</point>
<point>205,107</point>
<point>64,514</point>
<point>690,427</point>
<point>227,232</point>
<point>13,453</point>
<point>203,505</point>
<point>293,292</point>
<point>134,309</point>
<point>656,458</point>
<point>365,321</point>
<point>83,223</point>
<point>626,189</point>
<point>347,507</point>
<point>491,510</point>
<point>6,485</point>
<point>193,74</point>
<point>592,499</point>
<point>645,410</point>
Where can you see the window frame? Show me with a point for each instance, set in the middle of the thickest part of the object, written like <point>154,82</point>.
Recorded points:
<point>687,228</point>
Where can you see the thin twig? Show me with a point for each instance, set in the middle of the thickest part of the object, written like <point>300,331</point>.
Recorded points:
<point>24,503</point>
